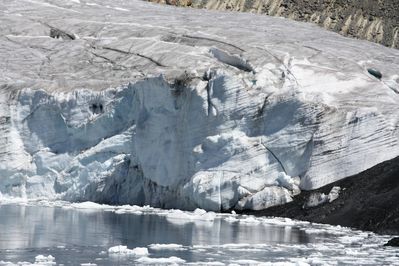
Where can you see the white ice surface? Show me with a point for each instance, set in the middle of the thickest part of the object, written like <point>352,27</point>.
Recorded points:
<point>40,260</point>
<point>161,261</point>
<point>166,246</point>
<point>183,108</point>
<point>124,251</point>
<point>317,198</point>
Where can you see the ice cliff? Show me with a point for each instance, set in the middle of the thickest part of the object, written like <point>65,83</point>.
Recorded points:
<point>131,102</point>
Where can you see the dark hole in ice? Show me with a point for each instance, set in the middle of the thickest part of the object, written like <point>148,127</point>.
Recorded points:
<point>375,73</point>
<point>96,108</point>
<point>180,83</point>
<point>59,34</point>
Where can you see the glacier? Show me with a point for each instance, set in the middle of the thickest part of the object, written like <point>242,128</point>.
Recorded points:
<point>128,102</point>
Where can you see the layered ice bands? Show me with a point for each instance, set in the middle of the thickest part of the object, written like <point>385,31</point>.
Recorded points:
<point>129,102</point>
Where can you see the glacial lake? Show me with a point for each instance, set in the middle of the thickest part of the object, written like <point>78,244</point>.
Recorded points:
<point>76,234</point>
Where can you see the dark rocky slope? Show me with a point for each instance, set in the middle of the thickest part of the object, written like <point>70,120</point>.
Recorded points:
<point>373,20</point>
<point>368,201</point>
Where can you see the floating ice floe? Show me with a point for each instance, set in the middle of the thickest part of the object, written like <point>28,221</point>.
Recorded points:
<point>161,261</point>
<point>207,263</point>
<point>40,260</point>
<point>199,215</point>
<point>166,247</point>
<point>123,250</point>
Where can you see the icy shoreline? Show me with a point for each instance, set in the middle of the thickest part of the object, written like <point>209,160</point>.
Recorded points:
<point>332,243</point>
<point>180,217</point>
<point>367,201</point>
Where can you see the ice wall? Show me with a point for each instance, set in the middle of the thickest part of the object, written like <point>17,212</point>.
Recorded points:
<point>213,144</point>
<point>142,143</point>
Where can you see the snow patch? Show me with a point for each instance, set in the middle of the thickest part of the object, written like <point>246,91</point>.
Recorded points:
<point>334,193</point>
<point>317,199</point>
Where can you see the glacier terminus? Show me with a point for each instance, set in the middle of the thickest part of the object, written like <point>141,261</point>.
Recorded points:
<point>128,102</point>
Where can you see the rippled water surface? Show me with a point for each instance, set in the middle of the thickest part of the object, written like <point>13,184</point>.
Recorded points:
<point>74,234</point>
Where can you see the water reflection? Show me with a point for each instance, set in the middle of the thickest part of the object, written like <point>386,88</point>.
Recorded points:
<point>39,227</point>
<point>75,236</point>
